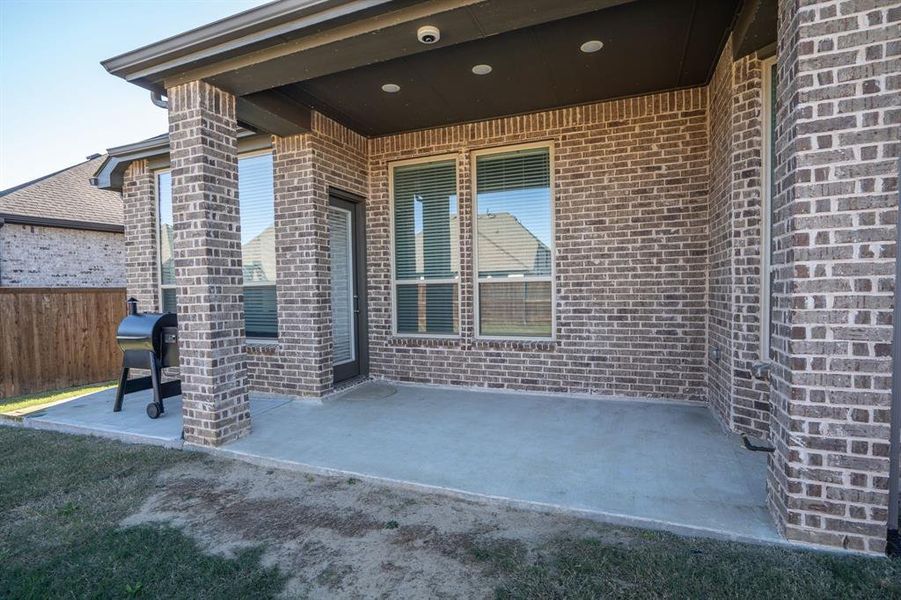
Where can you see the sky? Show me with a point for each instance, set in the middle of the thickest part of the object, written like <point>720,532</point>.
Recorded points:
<point>57,103</point>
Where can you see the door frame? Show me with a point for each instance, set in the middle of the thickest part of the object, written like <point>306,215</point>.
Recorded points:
<point>360,276</point>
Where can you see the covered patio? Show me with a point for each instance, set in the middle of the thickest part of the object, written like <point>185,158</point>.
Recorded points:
<point>651,464</point>
<point>651,199</point>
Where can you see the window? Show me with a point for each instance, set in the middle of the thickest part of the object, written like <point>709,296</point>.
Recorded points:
<point>167,262</point>
<point>257,200</point>
<point>426,248</point>
<point>514,243</point>
<point>768,183</point>
<point>256,197</point>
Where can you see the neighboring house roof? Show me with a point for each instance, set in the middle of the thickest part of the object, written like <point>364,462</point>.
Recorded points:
<point>258,257</point>
<point>505,246</point>
<point>64,199</point>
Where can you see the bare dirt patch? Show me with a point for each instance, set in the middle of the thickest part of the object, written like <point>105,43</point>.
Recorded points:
<point>339,537</point>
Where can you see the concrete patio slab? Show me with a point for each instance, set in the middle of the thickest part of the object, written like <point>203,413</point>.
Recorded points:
<point>652,464</point>
<point>663,465</point>
<point>93,415</point>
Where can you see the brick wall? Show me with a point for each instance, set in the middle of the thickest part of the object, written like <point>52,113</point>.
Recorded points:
<point>750,396</point>
<point>721,280</point>
<point>740,401</point>
<point>33,256</point>
<point>306,166</point>
<point>141,253</point>
<point>631,253</point>
<point>838,132</point>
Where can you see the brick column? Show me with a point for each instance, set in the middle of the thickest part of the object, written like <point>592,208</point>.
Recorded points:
<point>837,149</point>
<point>208,271</point>
<point>302,255</point>
<point>139,212</point>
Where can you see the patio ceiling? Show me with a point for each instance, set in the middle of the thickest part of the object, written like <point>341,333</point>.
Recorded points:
<point>649,46</point>
<point>284,58</point>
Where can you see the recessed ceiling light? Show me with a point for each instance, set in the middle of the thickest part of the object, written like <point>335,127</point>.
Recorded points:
<point>481,69</point>
<point>591,46</point>
<point>391,88</point>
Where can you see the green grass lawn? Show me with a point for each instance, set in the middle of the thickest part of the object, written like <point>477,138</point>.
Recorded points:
<point>63,499</point>
<point>21,405</point>
<point>664,566</point>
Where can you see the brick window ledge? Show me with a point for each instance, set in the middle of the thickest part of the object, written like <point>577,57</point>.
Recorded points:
<point>262,346</point>
<point>464,343</point>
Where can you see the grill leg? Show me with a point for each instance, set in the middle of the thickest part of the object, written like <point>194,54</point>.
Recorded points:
<point>155,379</point>
<point>120,393</point>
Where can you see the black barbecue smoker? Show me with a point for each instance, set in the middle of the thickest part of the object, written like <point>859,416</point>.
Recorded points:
<point>148,341</point>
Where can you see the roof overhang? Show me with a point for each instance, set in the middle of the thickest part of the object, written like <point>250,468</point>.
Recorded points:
<point>331,36</point>
<point>109,175</point>
<point>755,28</point>
<point>284,58</point>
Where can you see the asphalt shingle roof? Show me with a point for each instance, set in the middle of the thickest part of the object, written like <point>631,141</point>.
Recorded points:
<point>67,195</point>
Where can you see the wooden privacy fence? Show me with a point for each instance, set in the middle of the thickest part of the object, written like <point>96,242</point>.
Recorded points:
<point>52,338</point>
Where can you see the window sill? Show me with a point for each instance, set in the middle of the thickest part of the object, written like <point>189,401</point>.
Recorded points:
<point>425,340</point>
<point>261,345</point>
<point>515,343</point>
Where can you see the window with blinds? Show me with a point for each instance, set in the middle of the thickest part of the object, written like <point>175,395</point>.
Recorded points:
<point>426,248</point>
<point>257,208</point>
<point>514,245</point>
<point>166,237</point>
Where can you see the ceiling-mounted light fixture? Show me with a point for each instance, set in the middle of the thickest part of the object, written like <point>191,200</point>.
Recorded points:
<point>391,88</point>
<point>481,69</point>
<point>591,46</point>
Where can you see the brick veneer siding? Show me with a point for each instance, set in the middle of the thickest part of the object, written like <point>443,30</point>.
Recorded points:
<point>35,256</point>
<point>631,258</point>
<point>741,402</point>
<point>837,150</point>
<point>139,213</point>
<point>306,166</point>
<point>750,397</point>
<point>208,272</point>
<point>720,281</point>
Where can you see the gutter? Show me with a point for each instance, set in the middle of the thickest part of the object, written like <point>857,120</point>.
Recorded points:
<point>260,26</point>
<point>59,223</point>
<point>893,538</point>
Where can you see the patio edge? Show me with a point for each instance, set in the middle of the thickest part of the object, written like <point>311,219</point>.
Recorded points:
<point>504,501</point>
<point>32,422</point>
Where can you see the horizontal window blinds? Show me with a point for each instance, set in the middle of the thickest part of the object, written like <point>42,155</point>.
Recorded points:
<point>425,221</point>
<point>514,243</point>
<point>514,213</point>
<point>426,248</point>
<point>256,197</point>
<point>166,233</point>
<point>341,263</point>
<point>257,209</point>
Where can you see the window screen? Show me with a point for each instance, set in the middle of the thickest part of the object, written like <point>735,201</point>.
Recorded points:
<point>514,245</point>
<point>426,248</point>
<point>256,197</point>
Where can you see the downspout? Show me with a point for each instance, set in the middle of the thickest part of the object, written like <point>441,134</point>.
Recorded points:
<point>893,540</point>
<point>157,99</point>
